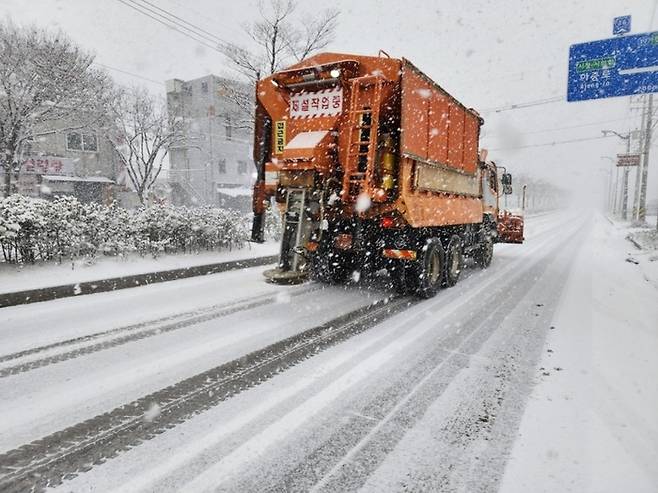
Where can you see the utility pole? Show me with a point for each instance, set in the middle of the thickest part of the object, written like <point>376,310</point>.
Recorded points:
<point>624,189</point>
<point>612,189</point>
<point>642,213</point>
<point>624,204</point>
<point>638,170</point>
<point>615,200</point>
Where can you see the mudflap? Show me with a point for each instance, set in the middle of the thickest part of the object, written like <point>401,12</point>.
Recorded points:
<point>510,228</point>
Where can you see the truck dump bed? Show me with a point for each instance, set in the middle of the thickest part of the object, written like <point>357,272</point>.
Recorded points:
<point>343,125</point>
<point>438,152</point>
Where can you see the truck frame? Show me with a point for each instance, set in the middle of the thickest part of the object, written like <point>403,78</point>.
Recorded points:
<point>374,166</point>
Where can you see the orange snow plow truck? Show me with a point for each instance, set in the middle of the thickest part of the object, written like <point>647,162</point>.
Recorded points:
<point>374,166</point>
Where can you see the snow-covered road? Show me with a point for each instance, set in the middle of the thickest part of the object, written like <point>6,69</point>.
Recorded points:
<point>226,383</point>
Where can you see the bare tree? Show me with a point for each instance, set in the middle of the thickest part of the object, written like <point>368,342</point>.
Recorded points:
<point>142,132</point>
<point>279,39</point>
<point>316,34</point>
<point>46,85</point>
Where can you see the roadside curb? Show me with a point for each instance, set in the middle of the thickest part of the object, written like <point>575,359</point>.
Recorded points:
<point>131,281</point>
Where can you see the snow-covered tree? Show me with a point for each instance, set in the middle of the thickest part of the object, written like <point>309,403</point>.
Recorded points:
<point>141,133</point>
<point>45,81</point>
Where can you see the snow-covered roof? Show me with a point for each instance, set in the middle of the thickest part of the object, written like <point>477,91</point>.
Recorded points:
<point>88,179</point>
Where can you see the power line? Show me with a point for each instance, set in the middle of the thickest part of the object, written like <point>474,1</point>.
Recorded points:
<point>556,129</point>
<point>170,26</point>
<point>548,144</point>
<point>207,17</point>
<point>168,16</point>
<point>527,104</point>
<point>160,83</point>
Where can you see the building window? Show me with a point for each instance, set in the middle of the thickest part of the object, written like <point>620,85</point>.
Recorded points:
<point>242,168</point>
<point>204,87</point>
<point>74,141</point>
<point>77,141</point>
<point>89,142</point>
<point>229,128</point>
<point>222,166</point>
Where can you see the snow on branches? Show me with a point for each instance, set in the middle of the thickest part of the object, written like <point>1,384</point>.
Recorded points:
<point>141,133</point>
<point>47,85</point>
<point>38,230</point>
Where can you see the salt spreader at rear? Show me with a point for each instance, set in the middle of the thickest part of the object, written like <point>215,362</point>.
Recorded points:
<point>374,166</point>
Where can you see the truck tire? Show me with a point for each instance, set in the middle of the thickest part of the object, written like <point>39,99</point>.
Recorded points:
<point>484,253</point>
<point>454,261</point>
<point>331,267</point>
<point>430,268</point>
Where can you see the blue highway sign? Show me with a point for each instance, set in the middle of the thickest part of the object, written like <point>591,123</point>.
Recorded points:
<point>620,66</point>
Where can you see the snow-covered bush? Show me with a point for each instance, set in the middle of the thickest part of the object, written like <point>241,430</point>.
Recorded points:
<point>64,228</point>
<point>273,224</point>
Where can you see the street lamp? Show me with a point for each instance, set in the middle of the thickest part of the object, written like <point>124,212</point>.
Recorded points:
<point>624,200</point>
<point>612,185</point>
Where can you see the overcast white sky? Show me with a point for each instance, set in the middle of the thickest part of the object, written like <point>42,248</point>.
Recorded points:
<point>487,53</point>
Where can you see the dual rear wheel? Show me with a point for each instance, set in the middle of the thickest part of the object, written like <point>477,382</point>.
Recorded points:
<point>435,267</point>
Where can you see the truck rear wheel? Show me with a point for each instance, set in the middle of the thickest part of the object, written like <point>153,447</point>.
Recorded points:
<point>454,261</point>
<point>331,267</point>
<point>484,253</point>
<point>431,267</point>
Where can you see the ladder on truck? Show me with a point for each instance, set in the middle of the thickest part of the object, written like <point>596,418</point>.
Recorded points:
<point>294,230</point>
<point>363,122</point>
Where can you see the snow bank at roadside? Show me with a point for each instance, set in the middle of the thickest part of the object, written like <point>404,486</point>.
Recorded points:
<point>590,423</point>
<point>22,277</point>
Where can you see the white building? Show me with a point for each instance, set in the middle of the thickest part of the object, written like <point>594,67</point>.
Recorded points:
<point>214,164</point>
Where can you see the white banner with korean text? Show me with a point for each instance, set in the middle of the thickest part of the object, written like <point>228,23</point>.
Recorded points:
<point>327,102</point>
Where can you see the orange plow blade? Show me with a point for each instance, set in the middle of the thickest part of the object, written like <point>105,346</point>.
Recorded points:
<point>510,228</point>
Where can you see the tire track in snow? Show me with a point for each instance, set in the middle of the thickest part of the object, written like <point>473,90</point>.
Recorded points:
<point>475,401</point>
<point>136,332</point>
<point>497,273</point>
<point>239,458</point>
<point>46,462</point>
<point>482,398</point>
<point>64,454</point>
